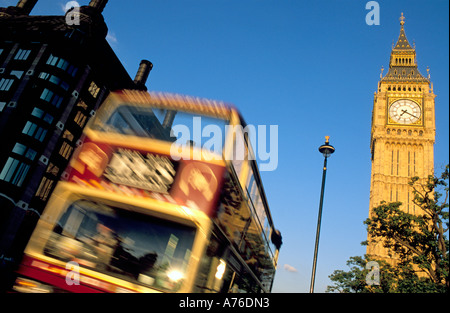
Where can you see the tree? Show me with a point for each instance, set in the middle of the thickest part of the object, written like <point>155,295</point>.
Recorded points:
<point>418,242</point>
<point>361,278</point>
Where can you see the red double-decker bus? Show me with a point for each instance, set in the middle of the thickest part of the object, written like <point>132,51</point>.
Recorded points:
<point>142,209</point>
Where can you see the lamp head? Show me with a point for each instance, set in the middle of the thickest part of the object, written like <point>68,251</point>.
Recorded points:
<point>326,149</point>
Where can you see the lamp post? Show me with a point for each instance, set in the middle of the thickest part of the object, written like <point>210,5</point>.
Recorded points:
<point>327,150</point>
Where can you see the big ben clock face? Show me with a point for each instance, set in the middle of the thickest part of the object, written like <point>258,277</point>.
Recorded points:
<point>405,111</point>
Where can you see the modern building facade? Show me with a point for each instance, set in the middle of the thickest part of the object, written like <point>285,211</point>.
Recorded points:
<point>403,132</point>
<point>54,73</point>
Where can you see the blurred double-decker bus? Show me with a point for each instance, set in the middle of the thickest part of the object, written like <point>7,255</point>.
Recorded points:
<point>144,207</point>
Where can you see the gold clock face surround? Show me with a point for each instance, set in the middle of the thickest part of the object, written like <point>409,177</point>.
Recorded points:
<point>405,111</point>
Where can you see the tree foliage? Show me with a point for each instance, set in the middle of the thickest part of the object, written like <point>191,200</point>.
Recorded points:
<point>392,279</point>
<point>418,243</point>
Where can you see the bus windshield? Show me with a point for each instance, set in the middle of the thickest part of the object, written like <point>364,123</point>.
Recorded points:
<point>128,245</point>
<point>171,125</point>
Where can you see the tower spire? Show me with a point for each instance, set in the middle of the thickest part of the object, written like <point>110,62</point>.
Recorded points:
<point>403,62</point>
<point>402,42</point>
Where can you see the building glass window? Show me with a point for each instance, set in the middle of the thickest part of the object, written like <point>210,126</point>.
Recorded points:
<point>41,114</point>
<point>82,104</point>
<point>21,149</point>
<point>52,60</point>
<point>65,150</point>
<point>50,97</point>
<point>37,112</point>
<point>46,95</point>
<point>64,85</point>
<point>52,169</point>
<point>44,75</point>
<point>48,118</point>
<point>72,70</point>
<point>22,54</point>
<point>17,73</point>
<point>40,134</point>
<point>67,135</point>
<point>35,131</point>
<point>30,154</point>
<point>62,64</point>
<point>44,188</point>
<point>5,83</point>
<point>55,80</point>
<point>57,101</point>
<point>80,119</point>
<point>29,129</point>
<point>14,171</point>
<point>93,89</point>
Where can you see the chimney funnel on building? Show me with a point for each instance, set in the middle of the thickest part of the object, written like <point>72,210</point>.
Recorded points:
<point>26,6</point>
<point>99,5</point>
<point>142,74</point>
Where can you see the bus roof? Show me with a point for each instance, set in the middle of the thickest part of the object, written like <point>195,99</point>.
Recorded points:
<point>177,101</point>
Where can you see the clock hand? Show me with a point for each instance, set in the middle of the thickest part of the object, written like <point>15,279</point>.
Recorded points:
<point>404,111</point>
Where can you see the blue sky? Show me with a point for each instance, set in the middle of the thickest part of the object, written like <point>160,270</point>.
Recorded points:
<point>310,67</point>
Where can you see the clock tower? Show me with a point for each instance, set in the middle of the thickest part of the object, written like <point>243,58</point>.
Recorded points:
<point>403,132</point>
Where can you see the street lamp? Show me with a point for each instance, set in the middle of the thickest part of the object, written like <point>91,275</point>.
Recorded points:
<point>327,150</point>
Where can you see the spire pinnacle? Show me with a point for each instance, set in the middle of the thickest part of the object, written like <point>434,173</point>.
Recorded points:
<point>402,20</point>
<point>402,42</point>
